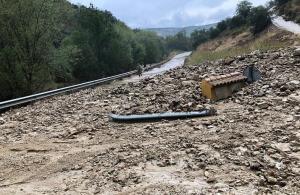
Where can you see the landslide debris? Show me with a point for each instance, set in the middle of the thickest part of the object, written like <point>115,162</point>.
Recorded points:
<point>67,144</point>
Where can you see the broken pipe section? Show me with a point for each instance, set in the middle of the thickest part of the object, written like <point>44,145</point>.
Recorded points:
<point>161,116</point>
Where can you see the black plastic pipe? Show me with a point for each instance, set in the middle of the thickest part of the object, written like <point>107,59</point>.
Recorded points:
<point>161,116</point>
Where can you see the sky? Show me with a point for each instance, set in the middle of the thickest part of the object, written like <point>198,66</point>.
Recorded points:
<point>168,13</point>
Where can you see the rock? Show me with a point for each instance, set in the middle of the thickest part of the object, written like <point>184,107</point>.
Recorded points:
<point>207,174</point>
<point>77,167</point>
<point>211,179</point>
<point>187,83</point>
<point>263,105</point>
<point>294,82</point>
<point>228,61</point>
<point>168,80</point>
<point>174,103</point>
<point>272,180</point>
<point>120,178</point>
<point>246,143</point>
<point>198,128</point>
<point>240,58</point>
<point>297,52</point>
<point>2,121</point>
<point>256,52</point>
<point>297,117</point>
<point>289,119</point>
<point>255,166</point>
<point>207,122</point>
<point>294,99</point>
<point>284,147</point>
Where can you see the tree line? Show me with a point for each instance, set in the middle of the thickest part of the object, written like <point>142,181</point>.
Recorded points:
<point>247,17</point>
<point>45,44</point>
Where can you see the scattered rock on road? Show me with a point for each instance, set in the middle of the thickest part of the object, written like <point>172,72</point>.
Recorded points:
<point>252,146</point>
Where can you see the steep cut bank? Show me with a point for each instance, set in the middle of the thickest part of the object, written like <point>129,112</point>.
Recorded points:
<point>243,42</point>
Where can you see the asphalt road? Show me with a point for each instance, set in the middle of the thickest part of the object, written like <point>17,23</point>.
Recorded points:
<point>177,61</point>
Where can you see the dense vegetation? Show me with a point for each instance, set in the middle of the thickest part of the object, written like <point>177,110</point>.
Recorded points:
<point>45,44</point>
<point>50,43</point>
<point>179,42</point>
<point>290,9</point>
<point>247,16</point>
<point>169,32</point>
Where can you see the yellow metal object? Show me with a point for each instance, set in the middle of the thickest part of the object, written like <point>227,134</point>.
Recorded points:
<point>221,87</point>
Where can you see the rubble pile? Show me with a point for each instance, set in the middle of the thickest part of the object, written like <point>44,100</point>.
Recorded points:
<point>68,145</point>
<point>179,89</point>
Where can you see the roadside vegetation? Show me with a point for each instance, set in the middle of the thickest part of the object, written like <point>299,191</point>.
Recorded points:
<point>249,30</point>
<point>45,44</point>
<point>256,19</point>
<point>179,42</point>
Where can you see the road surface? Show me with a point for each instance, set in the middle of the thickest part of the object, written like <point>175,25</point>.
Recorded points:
<point>177,61</point>
<point>286,25</point>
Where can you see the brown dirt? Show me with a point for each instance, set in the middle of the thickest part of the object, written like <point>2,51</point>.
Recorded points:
<point>244,38</point>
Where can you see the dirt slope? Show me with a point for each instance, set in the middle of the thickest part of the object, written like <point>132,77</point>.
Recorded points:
<point>242,42</point>
<point>67,145</point>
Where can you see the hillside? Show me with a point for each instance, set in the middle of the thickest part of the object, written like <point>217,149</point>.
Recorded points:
<point>243,42</point>
<point>164,32</point>
<point>250,29</point>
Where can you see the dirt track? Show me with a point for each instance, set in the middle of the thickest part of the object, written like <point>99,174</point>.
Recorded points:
<point>67,145</point>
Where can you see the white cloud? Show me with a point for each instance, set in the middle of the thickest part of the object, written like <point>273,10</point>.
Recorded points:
<point>167,13</point>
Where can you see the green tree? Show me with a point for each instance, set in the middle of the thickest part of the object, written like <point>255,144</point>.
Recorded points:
<point>213,33</point>
<point>244,9</point>
<point>260,19</point>
<point>281,2</point>
<point>236,22</point>
<point>179,42</point>
<point>154,46</point>
<point>138,52</point>
<point>198,37</point>
<point>45,42</point>
<point>62,61</point>
<point>28,31</point>
<point>222,26</point>
<point>92,36</point>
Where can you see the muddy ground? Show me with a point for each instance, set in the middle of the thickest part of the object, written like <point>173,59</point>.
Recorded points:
<point>68,145</point>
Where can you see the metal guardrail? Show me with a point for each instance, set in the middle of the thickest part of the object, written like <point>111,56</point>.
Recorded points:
<point>28,99</point>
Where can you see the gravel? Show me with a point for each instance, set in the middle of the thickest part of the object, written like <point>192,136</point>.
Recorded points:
<point>68,145</point>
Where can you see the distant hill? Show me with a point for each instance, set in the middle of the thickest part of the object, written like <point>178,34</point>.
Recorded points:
<point>164,32</point>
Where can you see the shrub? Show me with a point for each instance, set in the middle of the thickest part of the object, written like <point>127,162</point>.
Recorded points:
<point>259,19</point>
